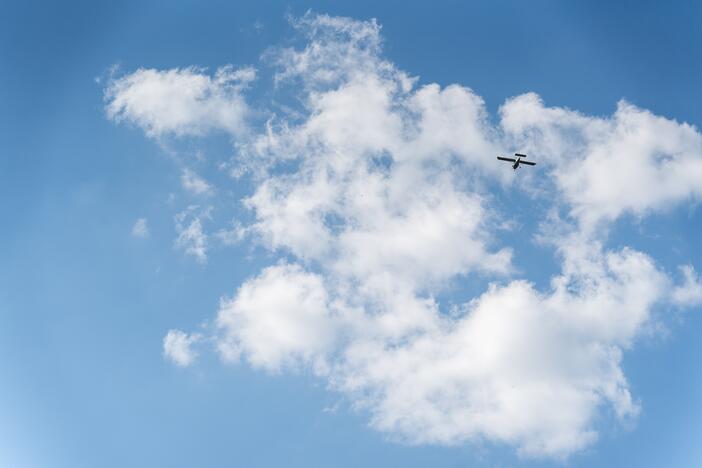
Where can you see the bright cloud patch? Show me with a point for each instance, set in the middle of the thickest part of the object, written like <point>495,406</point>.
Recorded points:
<point>254,325</point>
<point>633,162</point>
<point>380,193</point>
<point>180,102</point>
<point>177,347</point>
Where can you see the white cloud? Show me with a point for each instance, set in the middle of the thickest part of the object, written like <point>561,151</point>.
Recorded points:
<point>194,183</point>
<point>519,366</point>
<point>232,236</point>
<point>192,239</point>
<point>633,162</point>
<point>178,347</point>
<point>375,202</point>
<point>378,193</point>
<point>140,228</point>
<point>180,102</point>
<point>690,292</point>
<point>381,186</point>
<point>279,318</point>
<point>337,48</point>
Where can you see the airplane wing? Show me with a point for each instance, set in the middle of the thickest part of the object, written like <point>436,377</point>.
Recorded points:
<point>528,163</point>
<point>507,159</point>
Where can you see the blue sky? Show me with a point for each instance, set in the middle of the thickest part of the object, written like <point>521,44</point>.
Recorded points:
<point>87,148</point>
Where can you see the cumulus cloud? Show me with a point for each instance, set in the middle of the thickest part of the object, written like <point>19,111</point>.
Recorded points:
<point>517,366</point>
<point>181,102</point>
<point>140,228</point>
<point>521,367</point>
<point>632,162</point>
<point>178,347</point>
<point>282,317</point>
<point>380,194</point>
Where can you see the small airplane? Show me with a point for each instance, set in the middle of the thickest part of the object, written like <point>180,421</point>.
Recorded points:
<point>517,161</point>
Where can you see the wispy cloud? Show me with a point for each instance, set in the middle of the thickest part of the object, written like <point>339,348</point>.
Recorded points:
<point>140,228</point>
<point>690,292</point>
<point>194,183</point>
<point>192,238</point>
